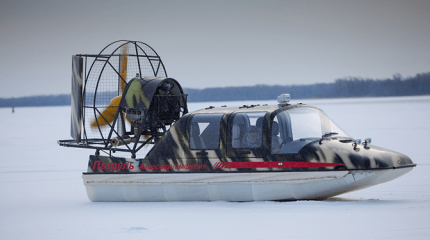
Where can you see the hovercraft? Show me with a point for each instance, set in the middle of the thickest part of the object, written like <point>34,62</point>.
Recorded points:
<point>149,148</point>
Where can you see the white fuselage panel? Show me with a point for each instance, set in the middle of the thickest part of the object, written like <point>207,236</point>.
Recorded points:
<point>254,186</point>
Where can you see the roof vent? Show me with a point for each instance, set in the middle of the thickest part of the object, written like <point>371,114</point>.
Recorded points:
<point>283,98</point>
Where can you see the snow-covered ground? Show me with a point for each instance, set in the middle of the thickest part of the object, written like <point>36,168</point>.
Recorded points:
<point>42,195</point>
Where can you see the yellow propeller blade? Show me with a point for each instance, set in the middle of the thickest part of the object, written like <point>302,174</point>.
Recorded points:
<point>123,67</point>
<point>108,113</point>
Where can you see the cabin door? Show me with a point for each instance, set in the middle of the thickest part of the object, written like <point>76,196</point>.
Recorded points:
<point>205,145</point>
<point>246,136</point>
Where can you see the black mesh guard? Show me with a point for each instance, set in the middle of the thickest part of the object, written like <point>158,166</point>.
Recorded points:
<point>166,109</point>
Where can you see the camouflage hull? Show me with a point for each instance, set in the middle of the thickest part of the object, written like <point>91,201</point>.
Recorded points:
<point>244,186</point>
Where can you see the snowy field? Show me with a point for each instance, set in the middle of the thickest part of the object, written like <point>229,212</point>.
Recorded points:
<point>42,195</point>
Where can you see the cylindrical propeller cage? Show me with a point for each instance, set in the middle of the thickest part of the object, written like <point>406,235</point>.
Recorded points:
<point>108,100</point>
<point>153,103</point>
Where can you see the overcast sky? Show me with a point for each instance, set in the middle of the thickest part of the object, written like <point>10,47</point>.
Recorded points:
<point>216,43</point>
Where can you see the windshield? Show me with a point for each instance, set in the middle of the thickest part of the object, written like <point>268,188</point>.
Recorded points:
<point>292,129</point>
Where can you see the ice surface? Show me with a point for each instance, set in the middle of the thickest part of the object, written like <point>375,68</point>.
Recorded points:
<point>42,195</point>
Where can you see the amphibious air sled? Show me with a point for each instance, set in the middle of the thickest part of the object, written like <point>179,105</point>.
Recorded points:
<point>149,148</point>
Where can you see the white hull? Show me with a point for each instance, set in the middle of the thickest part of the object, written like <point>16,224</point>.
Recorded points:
<point>253,186</point>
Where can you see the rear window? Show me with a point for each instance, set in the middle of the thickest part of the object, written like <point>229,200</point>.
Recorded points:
<point>204,131</point>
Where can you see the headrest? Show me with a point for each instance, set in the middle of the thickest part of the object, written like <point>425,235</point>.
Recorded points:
<point>259,122</point>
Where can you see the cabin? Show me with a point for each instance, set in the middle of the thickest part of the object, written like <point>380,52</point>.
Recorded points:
<point>246,133</point>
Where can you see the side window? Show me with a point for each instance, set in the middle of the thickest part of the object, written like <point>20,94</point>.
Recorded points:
<point>247,130</point>
<point>204,131</point>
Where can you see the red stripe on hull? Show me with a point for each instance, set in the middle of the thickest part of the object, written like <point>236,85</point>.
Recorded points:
<point>278,164</point>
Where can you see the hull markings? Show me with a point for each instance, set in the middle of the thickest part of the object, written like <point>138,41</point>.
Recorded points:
<point>272,165</point>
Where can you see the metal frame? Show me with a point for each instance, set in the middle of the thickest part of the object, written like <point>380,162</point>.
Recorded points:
<point>104,142</point>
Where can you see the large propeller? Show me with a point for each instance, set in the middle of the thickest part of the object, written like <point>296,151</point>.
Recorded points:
<point>108,115</point>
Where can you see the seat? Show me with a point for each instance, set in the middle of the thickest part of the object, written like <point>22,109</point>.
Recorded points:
<point>252,138</point>
<point>236,136</point>
<point>259,122</point>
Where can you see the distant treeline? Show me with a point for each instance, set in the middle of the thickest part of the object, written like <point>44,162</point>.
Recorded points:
<point>347,87</point>
<point>36,101</point>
